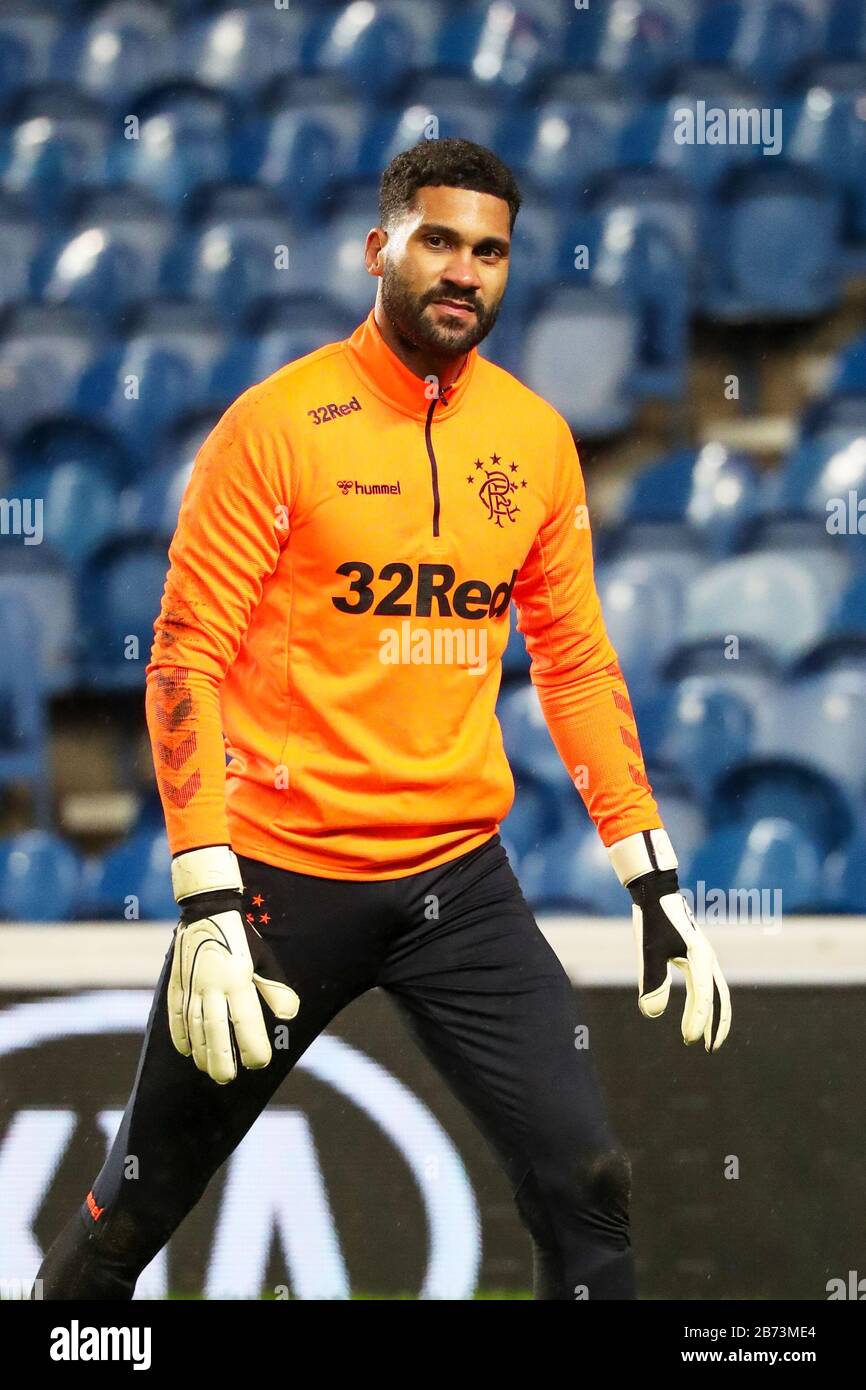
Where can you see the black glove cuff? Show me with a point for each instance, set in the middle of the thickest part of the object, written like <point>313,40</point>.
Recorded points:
<point>208,904</point>
<point>650,887</point>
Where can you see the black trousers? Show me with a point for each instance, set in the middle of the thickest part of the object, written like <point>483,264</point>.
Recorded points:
<point>459,952</point>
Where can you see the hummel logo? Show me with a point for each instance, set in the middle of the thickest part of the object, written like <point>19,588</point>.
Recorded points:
<point>346,485</point>
<point>325,413</point>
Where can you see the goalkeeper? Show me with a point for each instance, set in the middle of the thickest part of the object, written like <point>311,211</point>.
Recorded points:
<point>335,612</point>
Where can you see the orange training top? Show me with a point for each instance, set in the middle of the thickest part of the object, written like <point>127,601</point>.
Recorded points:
<point>337,605</point>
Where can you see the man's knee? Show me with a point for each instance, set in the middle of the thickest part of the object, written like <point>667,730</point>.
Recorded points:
<point>592,1188</point>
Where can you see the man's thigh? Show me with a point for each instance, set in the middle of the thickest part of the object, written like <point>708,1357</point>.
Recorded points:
<point>493,1009</point>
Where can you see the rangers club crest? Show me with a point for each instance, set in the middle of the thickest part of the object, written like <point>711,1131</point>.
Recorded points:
<point>498,488</point>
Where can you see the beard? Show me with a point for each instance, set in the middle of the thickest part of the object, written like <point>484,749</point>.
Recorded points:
<point>407,312</point>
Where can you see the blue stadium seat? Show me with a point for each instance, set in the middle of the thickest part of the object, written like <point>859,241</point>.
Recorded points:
<point>768,42</point>
<point>713,489</point>
<point>39,877</point>
<point>289,328</point>
<point>824,133</point>
<point>39,578</point>
<point>232,264</point>
<point>642,598</point>
<point>329,102</point>
<point>241,50</point>
<point>573,873</point>
<point>61,443</point>
<point>371,46</point>
<point>393,130</point>
<point>771,601</point>
<point>28,37</point>
<point>80,506</point>
<point>849,375</point>
<point>757,862</point>
<point>705,726</point>
<point>23,732</point>
<point>528,745</point>
<point>295,154</point>
<point>152,507</point>
<point>559,147</point>
<point>580,353</point>
<point>845,877</point>
<point>507,49</point>
<point>54,150</point>
<point>760,265</point>
<point>140,386</point>
<point>20,238</point>
<point>515,658</point>
<point>342,271</point>
<point>131,882</point>
<point>533,817</point>
<point>669,137</point>
<point>843,644</point>
<point>806,761</point>
<point>125,47</point>
<point>642,42</point>
<point>119,599</point>
<point>184,142</point>
<point>102,269</point>
<point>45,351</point>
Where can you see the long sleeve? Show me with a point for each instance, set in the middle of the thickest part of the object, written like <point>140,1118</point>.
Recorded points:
<point>574,667</point>
<point>233,520</point>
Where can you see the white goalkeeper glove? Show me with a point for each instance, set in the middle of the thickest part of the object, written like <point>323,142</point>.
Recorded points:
<point>666,933</point>
<point>219,964</point>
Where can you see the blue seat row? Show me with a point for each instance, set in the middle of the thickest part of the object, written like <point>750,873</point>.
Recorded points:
<point>754,873</point>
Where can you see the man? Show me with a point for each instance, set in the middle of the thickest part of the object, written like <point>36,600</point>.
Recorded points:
<point>347,551</point>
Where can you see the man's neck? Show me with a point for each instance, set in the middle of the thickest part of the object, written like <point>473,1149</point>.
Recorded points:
<point>423,364</point>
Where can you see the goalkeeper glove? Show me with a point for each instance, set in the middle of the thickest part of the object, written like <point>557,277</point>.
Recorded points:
<point>219,963</point>
<point>666,933</point>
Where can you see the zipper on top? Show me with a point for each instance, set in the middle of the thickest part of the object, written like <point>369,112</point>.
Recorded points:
<point>434,467</point>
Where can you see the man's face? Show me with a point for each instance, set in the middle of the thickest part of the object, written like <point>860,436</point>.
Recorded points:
<point>444,267</point>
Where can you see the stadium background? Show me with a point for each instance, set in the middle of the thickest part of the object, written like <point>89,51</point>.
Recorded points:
<point>184,194</point>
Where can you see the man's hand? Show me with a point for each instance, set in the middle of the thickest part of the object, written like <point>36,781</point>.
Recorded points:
<point>219,968</point>
<point>665,934</point>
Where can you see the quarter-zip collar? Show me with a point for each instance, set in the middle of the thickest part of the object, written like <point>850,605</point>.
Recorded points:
<point>387,377</point>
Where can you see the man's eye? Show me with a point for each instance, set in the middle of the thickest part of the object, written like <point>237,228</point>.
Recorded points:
<point>433,237</point>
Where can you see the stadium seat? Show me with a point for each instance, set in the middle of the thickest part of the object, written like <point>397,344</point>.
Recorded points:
<point>45,352</point>
<point>80,506</point>
<point>295,154</point>
<point>532,818</point>
<point>559,147</point>
<point>666,137</point>
<point>762,869</point>
<point>241,50</point>
<point>843,643</point>
<point>714,490</point>
<point>39,878</point>
<point>140,386</point>
<point>530,749</point>
<point>23,729</point>
<point>123,48</point>
<point>182,142</point>
<point>38,577</point>
<point>120,596</point>
<point>759,263</point>
<point>845,877</point>
<point>370,45</point>
<point>573,873</point>
<point>131,882</point>
<point>28,37</point>
<point>508,48</point>
<point>849,376</point>
<point>769,600</point>
<point>768,42</point>
<point>58,147</point>
<point>641,42</point>
<point>232,264</point>
<point>704,726</point>
<point>642,598</point>
<point>20,239</point>
<point>151,507</point>
<point>61,443</point>
<point>286,329</point>
<point>101,269</point>
<point>580,353</point>
<point>392,131</point>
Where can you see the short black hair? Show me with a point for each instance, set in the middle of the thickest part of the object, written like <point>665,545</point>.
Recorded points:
<point>452,162</point>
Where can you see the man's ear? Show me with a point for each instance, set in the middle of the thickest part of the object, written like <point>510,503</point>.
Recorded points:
<point>374,250</point>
